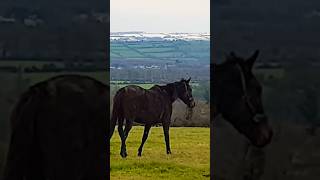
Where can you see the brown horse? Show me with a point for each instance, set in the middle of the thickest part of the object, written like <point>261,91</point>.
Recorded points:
<point>149,107</point>
<point>59,130</point>
<point>237,97</point>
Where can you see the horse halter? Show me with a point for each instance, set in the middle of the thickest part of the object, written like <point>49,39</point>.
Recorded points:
<point>186,89</point>
<point>257,116</point>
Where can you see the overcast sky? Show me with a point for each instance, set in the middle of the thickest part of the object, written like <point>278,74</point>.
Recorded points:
<point>160,15</point>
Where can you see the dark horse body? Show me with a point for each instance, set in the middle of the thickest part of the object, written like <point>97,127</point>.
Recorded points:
<point>238,98</point>
<point>59,129</point>
<point>149,107</point>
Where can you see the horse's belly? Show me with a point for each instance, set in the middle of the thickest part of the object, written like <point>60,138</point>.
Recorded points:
<point>143,112</point>
<point>141,121</point>
<point>147,118</point>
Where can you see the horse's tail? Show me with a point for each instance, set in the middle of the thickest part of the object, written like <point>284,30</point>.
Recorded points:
<point>19,163</point>
<point>116,112</point>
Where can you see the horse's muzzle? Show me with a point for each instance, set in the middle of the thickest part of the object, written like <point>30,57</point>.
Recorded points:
<point>264,135</point>
<point>192,104</point>
<point>260,118</point>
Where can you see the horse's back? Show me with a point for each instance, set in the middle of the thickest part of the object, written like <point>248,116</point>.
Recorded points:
<point>73,126</point>
<point>132,90</point>
<point>139,104</point>
<point>70,126</point>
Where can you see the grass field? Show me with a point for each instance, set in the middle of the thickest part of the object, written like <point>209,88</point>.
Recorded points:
<point>190,158</point>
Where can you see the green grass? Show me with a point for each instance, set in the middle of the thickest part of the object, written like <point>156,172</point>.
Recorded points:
<point>125,52</point>
<point>190,158</point>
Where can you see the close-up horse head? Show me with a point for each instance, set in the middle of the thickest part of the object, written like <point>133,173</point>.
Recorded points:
<point>239,98</point>
<point>184,92</point>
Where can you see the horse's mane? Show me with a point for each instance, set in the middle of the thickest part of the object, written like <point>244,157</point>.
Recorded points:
<point>169,89</point>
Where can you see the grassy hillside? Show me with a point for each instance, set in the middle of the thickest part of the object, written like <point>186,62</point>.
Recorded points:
<point>189,158</point>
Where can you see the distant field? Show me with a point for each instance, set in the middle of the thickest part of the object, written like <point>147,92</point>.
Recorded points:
<point>23,64</point>
<point>37,77</point>
<point>33,78</point>
<point>161,49</point>
<point>145,86</point>
<point>158,50</point>
<point>189,159</point>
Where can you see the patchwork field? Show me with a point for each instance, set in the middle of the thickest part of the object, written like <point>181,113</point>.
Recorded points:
<point>160,49</point>
<point>190,158</point>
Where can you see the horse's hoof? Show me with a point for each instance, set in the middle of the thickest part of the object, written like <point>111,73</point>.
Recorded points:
<point>123,154</point>
<point>139,153</point>
<point>168,152</point>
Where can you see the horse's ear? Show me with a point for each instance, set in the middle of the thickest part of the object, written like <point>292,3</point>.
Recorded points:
<point>231,56</point>
<point>188,80</point>
<point>228,56</point>
<point>250,61</point>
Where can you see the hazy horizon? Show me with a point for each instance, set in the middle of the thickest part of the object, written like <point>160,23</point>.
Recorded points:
<point>155,16</point>
<point>160,32</point>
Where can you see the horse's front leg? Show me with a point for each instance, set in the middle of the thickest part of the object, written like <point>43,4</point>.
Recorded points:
<point>166,136</point>
<point>144,138</point>
<point>127,129</point>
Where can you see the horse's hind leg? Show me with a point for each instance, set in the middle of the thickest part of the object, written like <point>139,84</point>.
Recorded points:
<point>144,137</point>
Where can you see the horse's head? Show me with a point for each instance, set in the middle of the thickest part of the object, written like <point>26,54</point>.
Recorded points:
<point>240,99</point>
<point>184,92</point>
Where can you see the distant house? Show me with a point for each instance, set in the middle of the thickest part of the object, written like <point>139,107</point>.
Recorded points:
<point>82,17</point>
<point>32,21</point>
<point>7,20</point>
<point>101,17</point>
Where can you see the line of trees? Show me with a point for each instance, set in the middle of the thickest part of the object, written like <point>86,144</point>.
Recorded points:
<point>54,68</point>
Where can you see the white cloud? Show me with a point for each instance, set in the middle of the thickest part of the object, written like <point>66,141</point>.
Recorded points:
<point>160,15</point>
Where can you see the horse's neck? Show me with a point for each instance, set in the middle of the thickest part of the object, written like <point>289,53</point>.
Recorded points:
<point>216,88</point>
<point>169,92</point>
